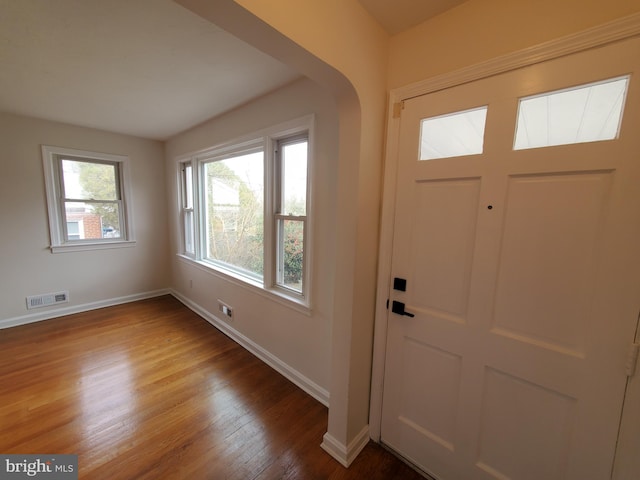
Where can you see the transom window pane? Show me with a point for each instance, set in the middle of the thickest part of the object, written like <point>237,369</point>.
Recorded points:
<point>453,135</point>
<point>234,212</point>
<point>589,113</point>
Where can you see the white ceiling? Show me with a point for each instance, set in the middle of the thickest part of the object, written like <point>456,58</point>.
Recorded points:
<point>148,68</point>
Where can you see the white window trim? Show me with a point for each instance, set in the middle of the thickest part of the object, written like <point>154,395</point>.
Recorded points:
<point>278,215</point>
<point>182,207</point>
<point>267,139</point>
<point>53,195</point>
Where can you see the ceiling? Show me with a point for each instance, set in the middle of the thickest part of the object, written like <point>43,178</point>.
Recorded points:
<point>399,15</point>
<point>148,68</point>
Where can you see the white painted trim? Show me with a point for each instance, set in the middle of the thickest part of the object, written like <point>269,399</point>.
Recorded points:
<point>385,250</point>
<point>249,140</point>
<point>310,387</point>
<point>84,247</point>
<point>85,307</point>
<point>264,139</point>
<point>626,462</point>
<point>610,32</point>
<point>54,207</point>
<point>345,454</point>
<point>247,284</point>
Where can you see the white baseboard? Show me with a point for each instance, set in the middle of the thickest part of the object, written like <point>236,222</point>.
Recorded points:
<point>343,453</point>
<point>85,307</point>
<point>313,389</point>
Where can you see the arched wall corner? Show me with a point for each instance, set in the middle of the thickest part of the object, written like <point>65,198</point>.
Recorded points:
<point>354,72</point>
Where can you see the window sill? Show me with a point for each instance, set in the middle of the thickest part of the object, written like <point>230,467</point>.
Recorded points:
<point>273,294</point>
<point>83,247</point>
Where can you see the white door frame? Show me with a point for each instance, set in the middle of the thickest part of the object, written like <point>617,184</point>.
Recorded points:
<point>617,30</point>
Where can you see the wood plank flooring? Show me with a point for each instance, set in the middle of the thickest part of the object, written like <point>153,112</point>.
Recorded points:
<point>149,390</point>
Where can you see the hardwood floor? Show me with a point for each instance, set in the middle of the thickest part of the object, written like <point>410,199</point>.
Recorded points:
<point>149,390</point>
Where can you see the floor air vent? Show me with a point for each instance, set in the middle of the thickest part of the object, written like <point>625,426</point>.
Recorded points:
<point>37,301</point>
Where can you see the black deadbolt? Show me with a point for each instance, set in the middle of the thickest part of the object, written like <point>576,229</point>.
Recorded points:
<point>400,284</point>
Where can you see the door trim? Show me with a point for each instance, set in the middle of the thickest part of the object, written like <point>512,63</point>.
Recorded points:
<point>626,463</point>
<point>604,34</point>
<point>610,32</point>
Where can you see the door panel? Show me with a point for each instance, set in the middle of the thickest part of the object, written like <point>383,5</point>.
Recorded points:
<point>520,269</point>
<point>547,272</point>
<point>525,428</point>
<point>435,415</point>
<point>444,238</point>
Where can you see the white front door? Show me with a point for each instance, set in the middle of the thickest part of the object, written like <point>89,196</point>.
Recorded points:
<point>521,265</point>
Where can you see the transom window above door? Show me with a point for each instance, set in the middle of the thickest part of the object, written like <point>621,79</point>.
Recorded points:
<point>588,113</point>
<point>453,135</point>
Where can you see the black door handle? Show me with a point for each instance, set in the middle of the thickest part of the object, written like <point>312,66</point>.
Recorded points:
<point>398,307</point>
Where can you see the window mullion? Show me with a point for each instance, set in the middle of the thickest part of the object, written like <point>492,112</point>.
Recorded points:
<point>281,216</point>
<point>63,224</point>
<point>279,249</point>
<point>270,207</point>
<point>122,217</point>
<point>90,200</point>
<point>199,208</point>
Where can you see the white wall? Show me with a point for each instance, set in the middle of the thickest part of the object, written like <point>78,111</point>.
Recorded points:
<point>28,267</point>
<point>299,341</point>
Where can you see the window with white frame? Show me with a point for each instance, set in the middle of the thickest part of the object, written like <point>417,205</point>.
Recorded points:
<point>188,213</point>
<point>86,199</point>
<point>291,210</point>
<point>245,210</point>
